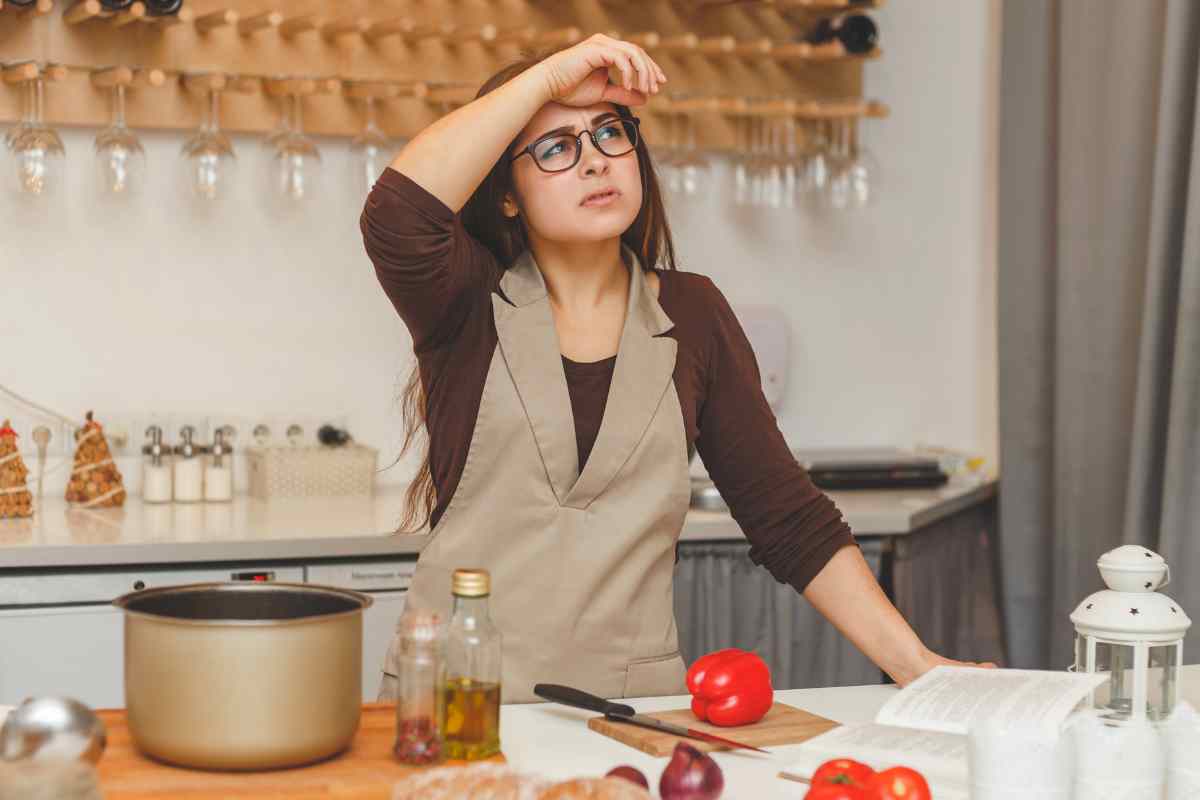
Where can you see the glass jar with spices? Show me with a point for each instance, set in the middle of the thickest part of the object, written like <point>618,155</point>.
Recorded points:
<point>420,712</point>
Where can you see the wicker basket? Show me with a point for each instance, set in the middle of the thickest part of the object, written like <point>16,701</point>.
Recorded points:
<point>311,471</point>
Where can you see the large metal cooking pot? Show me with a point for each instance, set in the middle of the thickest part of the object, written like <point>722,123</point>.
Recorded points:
<point>243,676</point>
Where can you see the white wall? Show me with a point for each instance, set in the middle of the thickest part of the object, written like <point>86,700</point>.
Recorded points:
<point>155,306</point>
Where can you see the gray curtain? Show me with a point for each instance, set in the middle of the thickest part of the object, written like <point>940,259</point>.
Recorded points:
<point>1099,315</point>
<point>723,600</point>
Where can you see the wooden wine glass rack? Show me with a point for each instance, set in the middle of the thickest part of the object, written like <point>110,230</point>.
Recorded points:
<point>418,58</point>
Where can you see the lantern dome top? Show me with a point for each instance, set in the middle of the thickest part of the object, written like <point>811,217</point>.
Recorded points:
<point>1132,568</point>
<point>1131,609</point>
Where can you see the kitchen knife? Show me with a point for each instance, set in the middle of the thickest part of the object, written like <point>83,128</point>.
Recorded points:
<point>621,712</point>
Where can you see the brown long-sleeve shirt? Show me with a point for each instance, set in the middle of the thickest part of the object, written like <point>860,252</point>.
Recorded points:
<point>440,279</point>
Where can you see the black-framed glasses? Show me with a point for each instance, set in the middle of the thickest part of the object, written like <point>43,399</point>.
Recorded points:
<point>559,152</point>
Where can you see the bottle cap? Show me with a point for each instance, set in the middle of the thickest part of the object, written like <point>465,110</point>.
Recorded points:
<point>471,583</point>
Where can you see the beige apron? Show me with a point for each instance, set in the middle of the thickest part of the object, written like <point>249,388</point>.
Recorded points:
<point>582,564</point>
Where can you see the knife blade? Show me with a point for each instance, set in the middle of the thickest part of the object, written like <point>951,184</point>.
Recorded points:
<point>621,712</point>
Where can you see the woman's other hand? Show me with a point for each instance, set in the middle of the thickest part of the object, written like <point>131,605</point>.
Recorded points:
<point>929,660</point>
<point>578,76</point>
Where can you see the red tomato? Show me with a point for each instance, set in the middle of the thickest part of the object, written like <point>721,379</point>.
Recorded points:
<point>844,771</point>
<point>898,783</point>
<point>834,791</point>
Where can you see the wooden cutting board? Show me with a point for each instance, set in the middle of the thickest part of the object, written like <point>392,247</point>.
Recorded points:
<point>366,770</point>
<point>783,724</point>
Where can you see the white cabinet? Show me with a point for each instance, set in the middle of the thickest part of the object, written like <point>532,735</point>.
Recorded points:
<point>60,635</point>
<point>72,651</point>
<point>379,624</point>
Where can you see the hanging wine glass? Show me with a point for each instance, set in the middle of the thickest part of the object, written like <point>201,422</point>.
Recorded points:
<point>120,157</point>
<point>860,173</point>
<point>849,185</point>
<point>787,159</point>
<point>741,161</point>
<point>757,166</point>
<point>27,108</point>
<point>38,150</point>
<point>814,159</point>
<point>693,167</point>
<point>208,154</point>
<point>270,140</point>
<point>371,151</point>
<point>666,155</point>
<point>296,163</point>
<point>772,164</point>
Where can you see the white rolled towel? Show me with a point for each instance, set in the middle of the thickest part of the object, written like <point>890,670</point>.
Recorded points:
<point>1117,759</point>
<point>1181,733</point>
<point>1018,762</point>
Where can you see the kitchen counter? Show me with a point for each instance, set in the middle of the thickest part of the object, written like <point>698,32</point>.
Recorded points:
<point>554,741</point>
<point>254,530</point>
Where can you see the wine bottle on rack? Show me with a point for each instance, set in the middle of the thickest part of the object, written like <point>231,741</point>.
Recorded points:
<point>162,8</point>
<point>856,32</point>
<point>116,5</point>
<point>20,3</point>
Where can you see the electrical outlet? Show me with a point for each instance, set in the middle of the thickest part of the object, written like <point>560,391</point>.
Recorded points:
<point>24,423</point>
<point>240,425</point>
<point>120,430</point>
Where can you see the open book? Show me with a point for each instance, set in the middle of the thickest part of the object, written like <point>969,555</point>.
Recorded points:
<point>924,725</point>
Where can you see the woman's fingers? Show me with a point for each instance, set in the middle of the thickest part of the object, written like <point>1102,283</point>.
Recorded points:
<point>647,77</point>
<point>623,62</point>
<point>643,69</point>
<point>623,96</point>
<point>639,77</point>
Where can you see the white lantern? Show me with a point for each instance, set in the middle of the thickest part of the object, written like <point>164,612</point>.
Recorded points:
<point>1134,634</point>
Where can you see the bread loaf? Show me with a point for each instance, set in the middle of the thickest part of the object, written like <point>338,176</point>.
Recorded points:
<point>499,782</point>
<point>595,789</point>
<point>478,782</point>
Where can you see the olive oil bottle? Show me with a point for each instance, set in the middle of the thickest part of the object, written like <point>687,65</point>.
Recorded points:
<point>472,683</point>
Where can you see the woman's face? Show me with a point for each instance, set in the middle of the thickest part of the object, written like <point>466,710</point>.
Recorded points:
<point>555,205</point>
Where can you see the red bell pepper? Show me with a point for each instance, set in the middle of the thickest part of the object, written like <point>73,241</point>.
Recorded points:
<point>730,687</point>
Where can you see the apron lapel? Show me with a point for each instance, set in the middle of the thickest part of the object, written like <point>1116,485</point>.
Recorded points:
<point>644,369</point>
<point>529,344</point>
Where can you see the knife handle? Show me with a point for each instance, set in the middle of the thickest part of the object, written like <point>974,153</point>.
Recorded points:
<point>580,699</point>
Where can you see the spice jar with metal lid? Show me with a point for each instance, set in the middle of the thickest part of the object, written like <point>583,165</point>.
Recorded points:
<point>156,468</point>
<point>189,467</point>
<point>419,647</point>
<point>218,474</point>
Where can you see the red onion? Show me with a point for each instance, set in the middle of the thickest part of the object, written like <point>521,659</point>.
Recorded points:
<point>632,774</point>
<point>690,775</point>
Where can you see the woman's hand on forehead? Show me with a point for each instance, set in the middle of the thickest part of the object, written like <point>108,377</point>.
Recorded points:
<point>579,75</point>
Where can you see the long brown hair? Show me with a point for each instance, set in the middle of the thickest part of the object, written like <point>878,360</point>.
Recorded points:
<point>649,237</point>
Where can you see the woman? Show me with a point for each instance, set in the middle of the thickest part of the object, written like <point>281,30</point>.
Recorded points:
<point>565,372</point>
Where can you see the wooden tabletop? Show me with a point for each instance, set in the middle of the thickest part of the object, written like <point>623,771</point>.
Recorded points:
<point>366,770</point>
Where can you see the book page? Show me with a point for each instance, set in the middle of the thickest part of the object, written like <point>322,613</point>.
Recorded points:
<point>940,757</point>
<point>947,699</point>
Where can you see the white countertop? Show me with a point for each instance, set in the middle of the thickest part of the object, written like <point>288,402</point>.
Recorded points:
<point>254,530</point>
<point>554,740</point>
